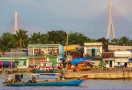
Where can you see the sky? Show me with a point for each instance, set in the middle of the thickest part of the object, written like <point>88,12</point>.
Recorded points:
<point>89,17</point>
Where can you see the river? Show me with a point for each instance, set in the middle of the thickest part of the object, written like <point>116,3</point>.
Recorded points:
<point>89,84</point>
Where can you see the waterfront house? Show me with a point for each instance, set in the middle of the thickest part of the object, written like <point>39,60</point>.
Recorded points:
<point>119,48</point>
<point>93,50</point>
<point>108,59</point>
<point>45,55</point>
<point>117,56</point>
<point>121,57</point>
<point>17,59</point>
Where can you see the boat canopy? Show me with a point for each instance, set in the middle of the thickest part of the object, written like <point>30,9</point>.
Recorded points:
<point>78,60</point>
<point>48,74</point>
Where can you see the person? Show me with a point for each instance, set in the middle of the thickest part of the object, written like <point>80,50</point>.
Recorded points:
<point>18,78</point>
<point>77,69</point>
<point>125,65</point>
<point>62,76</point>
<point>9,78</point>
<point>69,66</point>
<point>34,80</point>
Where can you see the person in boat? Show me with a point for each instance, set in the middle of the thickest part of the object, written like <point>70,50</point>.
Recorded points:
<point>18,77</point>
<point>9,78</point>
<point>34,80</point>
<point>62,76</point>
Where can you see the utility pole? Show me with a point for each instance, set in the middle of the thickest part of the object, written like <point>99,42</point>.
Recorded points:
<point>91,33</point>
<point>66,43</point>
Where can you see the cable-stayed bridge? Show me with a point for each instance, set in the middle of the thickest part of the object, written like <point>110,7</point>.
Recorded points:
<point>96,27</point>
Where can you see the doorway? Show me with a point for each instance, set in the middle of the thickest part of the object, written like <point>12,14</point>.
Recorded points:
<point>93,52</point>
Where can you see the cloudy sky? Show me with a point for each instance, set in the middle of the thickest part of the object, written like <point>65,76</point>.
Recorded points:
<point>89,17</point>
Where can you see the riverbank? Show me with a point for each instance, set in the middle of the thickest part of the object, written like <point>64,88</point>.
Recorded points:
<point>92,74</point>
<point>101,74</point>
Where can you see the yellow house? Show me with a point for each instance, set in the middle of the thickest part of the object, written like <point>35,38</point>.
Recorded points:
<point>70,47</point>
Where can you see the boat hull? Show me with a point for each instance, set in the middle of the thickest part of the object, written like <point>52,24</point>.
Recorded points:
<point>48,83</point>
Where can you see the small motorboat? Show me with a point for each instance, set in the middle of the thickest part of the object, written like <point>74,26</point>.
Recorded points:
<point>54,82</point>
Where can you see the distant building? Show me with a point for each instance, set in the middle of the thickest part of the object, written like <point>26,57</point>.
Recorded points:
<point>119,48</point>
<point>44,54</point>
<point>17,59</point>
<point>116,55</point>
<point>71,48</point>
<point>93,49</point>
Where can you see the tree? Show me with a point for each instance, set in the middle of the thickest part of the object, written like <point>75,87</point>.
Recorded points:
<point>124,41</point>
<point>7,41</point>
<point>105,43</point>
<point>57,37</point>
<point>115,41</point>
<point>77,38</point>
<point>21,37</point>
<point>39,38</point>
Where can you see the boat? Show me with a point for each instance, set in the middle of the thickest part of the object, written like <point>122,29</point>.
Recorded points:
<point>46,82</point>
<point>42,71</point>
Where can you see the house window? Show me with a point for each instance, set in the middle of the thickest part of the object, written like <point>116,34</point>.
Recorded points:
<point>53,50</point>
<point>36,50</point>
<point>119,63</point>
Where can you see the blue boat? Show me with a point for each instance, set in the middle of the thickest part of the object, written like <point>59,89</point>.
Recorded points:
<point>46,82</point>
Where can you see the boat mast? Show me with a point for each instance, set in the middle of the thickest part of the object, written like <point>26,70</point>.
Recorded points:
<point>11,63</point>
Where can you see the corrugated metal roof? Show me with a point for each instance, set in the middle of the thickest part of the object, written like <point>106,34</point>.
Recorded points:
<point>15,54</point>
<point>43,45</point>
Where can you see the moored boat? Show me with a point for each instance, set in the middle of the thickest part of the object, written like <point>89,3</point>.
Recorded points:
<point>39,82</point>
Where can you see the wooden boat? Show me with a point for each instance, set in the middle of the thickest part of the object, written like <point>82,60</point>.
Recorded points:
<point>48,83</point>
<point>56,82</point>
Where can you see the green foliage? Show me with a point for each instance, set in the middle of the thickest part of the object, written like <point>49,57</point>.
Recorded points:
<point>21,37</point>
<point>77,38</point>
<point>57,37</point>
<point>38,38</point>
<point>105,43</point>
<point>7,41</point>
<point>124,41</point>
<point>115,41</point>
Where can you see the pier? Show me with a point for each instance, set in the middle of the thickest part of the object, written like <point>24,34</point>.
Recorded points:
<point>92,74</point>
<point>101,74</point>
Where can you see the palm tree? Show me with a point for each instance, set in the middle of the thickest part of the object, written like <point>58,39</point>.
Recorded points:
<point>21,37</point>
<point>124,41</point>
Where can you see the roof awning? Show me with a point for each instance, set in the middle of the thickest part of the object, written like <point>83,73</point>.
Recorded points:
<point>78,60</point>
